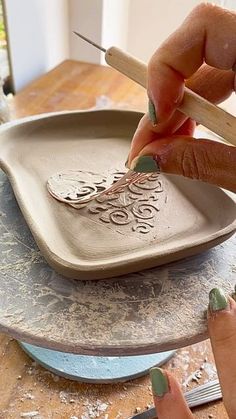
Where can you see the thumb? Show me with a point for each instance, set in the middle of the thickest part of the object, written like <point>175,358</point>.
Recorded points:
<point>168,397</point>
<point>205,160</point>
<point>222,331</point>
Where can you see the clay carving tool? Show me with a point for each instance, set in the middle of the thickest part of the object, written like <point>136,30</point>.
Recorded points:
<point>194,106</point>
<point>200,395</point>
<point>84,196</point>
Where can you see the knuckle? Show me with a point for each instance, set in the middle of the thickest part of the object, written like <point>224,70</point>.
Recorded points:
<point>198,162</point>
<point>153,64</point>
<point>204,10</point>
<point>191,164</point>
<point>226,339</point>
<point>210,12</point>
<point>157,62</point>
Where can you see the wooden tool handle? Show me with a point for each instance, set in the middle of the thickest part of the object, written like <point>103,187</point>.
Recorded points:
<point>193,105</point>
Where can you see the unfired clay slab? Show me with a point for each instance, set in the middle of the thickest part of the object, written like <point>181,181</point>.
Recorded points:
<point>191,216</point>
<point>145,312</point>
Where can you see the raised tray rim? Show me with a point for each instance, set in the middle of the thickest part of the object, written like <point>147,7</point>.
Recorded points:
<point>96,269</point>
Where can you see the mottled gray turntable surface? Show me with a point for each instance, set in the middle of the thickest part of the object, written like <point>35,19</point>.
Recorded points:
<point>150,311</point>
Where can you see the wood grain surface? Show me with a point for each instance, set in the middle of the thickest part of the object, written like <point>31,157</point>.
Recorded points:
<point>26,387</point>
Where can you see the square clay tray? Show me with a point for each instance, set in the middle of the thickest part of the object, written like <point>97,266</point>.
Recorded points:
<point>185,218</point>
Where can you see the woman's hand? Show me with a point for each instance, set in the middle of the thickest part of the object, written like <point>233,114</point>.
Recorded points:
<point>168,397</point>
<point>201,54</point>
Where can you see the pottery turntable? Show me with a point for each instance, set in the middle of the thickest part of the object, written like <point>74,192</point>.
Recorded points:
<point>150,249</point>
<point>100,287</point>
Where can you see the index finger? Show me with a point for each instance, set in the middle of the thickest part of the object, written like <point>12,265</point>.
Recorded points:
<point>207,35</point>
<point>222,330</point>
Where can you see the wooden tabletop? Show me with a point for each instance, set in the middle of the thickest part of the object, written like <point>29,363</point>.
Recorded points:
<point>24,386</point>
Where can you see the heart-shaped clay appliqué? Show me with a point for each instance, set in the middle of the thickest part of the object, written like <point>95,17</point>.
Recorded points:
<point>136,206</point>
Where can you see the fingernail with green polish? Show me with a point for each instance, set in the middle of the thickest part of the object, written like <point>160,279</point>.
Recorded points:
<point>160,384</point>
<point>233,295</point>
<point>126,163</point>
<point>217,300</point>
<point>152,112</point>
<point>144,164</point>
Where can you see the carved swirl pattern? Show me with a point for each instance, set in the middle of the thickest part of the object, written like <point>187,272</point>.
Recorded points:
<point>135,206</point>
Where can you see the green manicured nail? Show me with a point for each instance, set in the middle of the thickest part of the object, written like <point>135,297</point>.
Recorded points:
<point>126,163</point>
<point>233,295</point>
<point>160,384</point>
<point>217,299</point>
<point>152,112</point>
<point>144,164</point>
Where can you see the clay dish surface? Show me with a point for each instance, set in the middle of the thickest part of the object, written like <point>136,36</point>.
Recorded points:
<point>178,218</point>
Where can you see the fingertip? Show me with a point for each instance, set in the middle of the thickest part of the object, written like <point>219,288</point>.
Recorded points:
<point>165,89</point>
<point>143,135</point>
<point>205,160</point>
<point>221,318</point>
<point>220,303</point>
<point>222,332</point>
<point>217,300</point>
<point>152,112</point>
<point>168,396</point>
<point>147,133</point>
<point>160,383</point>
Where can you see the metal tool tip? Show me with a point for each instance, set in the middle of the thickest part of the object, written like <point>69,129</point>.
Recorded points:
<point>89,41</point>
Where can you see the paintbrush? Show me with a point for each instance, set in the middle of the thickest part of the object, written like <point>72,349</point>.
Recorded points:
<point>194,106</point>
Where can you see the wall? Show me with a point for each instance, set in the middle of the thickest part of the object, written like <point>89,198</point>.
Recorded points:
<point>85,16</point>
<point>37,36</point>
<point>103,21</point>
<point>138,26</point>
<point>115,24</point>
<point>40,31</point>
<point>151,21</point>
